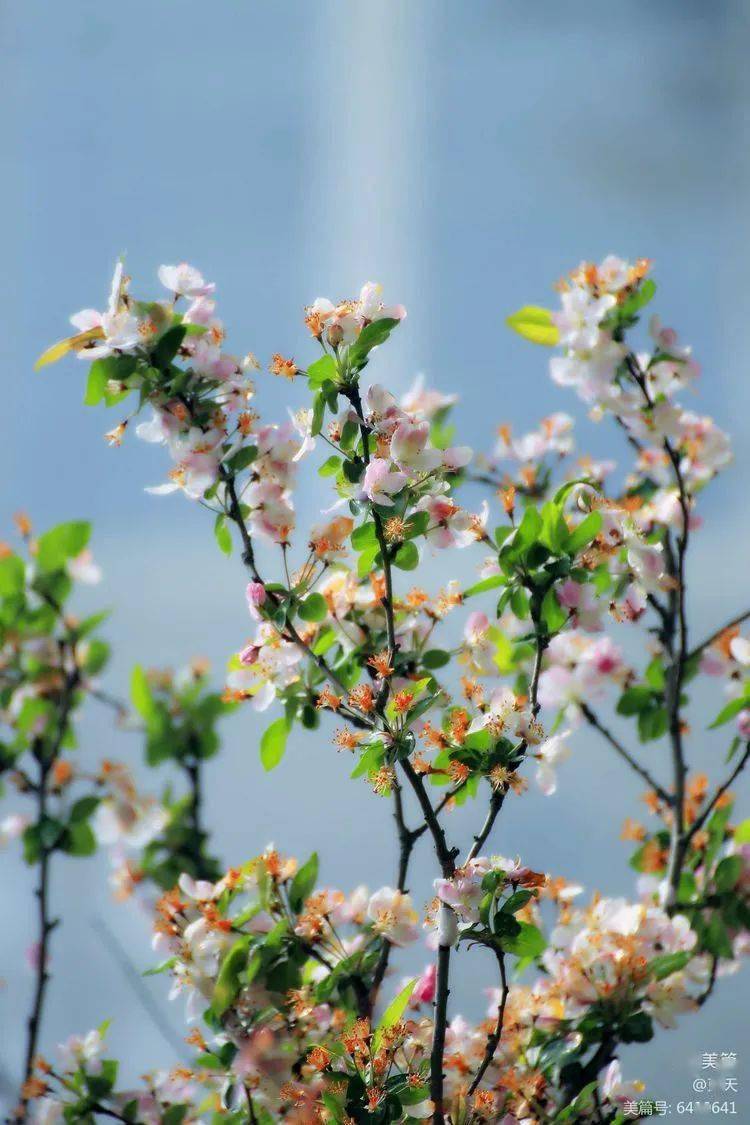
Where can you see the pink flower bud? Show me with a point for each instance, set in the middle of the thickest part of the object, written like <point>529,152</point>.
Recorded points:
<point>424,989</point>
<point>256,596</point>
<point>743,724</point>
<point>249,655</point>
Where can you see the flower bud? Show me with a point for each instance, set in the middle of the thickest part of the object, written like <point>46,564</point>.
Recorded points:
<point>447,926</point>
<point>335,335</point>
<point>256,597</point>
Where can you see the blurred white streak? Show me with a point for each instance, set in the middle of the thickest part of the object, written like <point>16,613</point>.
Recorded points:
<point>372,112</point>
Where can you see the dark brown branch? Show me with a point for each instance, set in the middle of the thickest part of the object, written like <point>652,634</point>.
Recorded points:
<point>722,789</point>
<point>46,758</point>
<point>446,856</point>
<point>493,1039</point>
<point>675,672</point>
<point>407,838</point>
<point>718,632</point>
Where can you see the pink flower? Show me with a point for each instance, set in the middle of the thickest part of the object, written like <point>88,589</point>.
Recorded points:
<point>424,989</point>
<point>393,916</point>
<point>409,447</point>
<point>743,724</point>
<point>605,656</point>
<point>249,655</point>
<point>255,593</point>
<point>380,483</point>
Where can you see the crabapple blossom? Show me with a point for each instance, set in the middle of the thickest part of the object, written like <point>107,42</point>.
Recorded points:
<point>552,752</point>
<point>381,484</point>
<point>393,916</point>
<point>439,697</point>
<point>184,281</point>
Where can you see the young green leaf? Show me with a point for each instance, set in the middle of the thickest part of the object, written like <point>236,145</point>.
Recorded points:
<point>273,743</point>
<point>535,324</point>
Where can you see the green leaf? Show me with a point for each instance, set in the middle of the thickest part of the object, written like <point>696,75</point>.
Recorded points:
<point>115,369</point>
<point>371,759</point>
<point>96,384</point>
<point>728,871</point>
<point>370,337</point>
<point>490,583</point>
<point>319,410</point>
<point>61,543</point>
<point>716,939</point>
<point>366,560</point>
<point>303,883</point>
<point>393,1013</point>
<point>553,615</point>
<point>168,346</point>
<point>530,942</point>
<point>322,371</point>
<point>637,300</point>
<point>528,530</point>
<point>732,708</point>
<point>554,532</point>
<point>742,833</point>
<point>273,743</point>
<point>242,458</point>
<point>83,808</point>
<point>517,900</point>
<point>581,536</point>
<point>80,839</point>
<point>407,556</point>
<point>314,608</point>
<point>634,700</point>
<point>97,655</point>
<point>639,1028</point>
<point>222,534</point>
<point>364,536</point>
<point>435,658</point>
<point>140,693</point>
<point>12,573</point>
<point>228,981</point>
<point>330,467</point>
<point>535,324</point>
<point>668,963</point>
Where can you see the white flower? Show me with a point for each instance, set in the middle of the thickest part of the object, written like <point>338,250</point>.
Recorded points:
<point>393,916</point>
<point>83,1051</point>
<point>11,827</point>
<point>184,281</point>
<point>578,321</point>
<point>551,753</point>
<point>47,1111</point>
<point>83,569</point>
<point>740,650</point>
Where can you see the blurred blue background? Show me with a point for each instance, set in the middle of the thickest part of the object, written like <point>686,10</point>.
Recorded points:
<point>465,156</point>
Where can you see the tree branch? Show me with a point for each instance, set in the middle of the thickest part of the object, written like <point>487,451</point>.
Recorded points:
<point>718,632</point>
<point>46,758</point>
<point>618,747</point>
<point>493,1039</point>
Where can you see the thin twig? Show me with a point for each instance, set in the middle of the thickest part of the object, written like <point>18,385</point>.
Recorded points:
<point>718,632</point>
<point>701,820</point>
<point>112,944</point>
<point>493,1039</point>
<point>675,673</point>
<point>625,754</point>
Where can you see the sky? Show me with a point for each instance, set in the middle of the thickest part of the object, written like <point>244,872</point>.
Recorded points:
<point>465,156</point>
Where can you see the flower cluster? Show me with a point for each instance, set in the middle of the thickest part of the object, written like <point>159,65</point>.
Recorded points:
<point>438,702</point>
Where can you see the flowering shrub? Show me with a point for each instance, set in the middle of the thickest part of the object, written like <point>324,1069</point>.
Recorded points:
<point>289,982</point>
